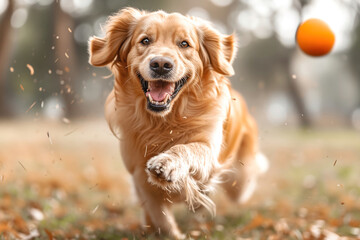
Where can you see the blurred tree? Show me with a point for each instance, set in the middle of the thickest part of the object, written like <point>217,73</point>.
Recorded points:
<point>294,90</point>
<point>5,47</point>
<point>61,64</point>
<point>66,58</point>
<point>267,61</point>
<point>354,53</point>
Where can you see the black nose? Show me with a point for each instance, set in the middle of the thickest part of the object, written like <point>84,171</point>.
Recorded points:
<point>161,65</point>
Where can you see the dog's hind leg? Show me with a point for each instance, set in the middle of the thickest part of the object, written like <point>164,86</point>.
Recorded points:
<point>240,182</point>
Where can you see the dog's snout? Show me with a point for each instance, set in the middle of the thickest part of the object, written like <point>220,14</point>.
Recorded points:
<point>161,65</point>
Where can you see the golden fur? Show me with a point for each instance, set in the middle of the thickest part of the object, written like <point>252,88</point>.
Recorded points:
<point>205,136</point>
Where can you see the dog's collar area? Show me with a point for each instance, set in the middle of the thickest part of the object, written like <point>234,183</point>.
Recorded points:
<point>157,106</point>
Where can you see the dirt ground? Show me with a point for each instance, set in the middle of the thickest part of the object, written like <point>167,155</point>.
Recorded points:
<point>66,180</point>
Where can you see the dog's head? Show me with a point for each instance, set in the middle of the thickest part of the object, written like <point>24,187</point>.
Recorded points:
<point>163,54</point>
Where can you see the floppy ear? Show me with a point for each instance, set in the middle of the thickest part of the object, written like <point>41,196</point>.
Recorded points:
<point>117,39</point>
<point>217,50</point>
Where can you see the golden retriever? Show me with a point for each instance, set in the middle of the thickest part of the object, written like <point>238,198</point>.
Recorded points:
<point>183,128</point>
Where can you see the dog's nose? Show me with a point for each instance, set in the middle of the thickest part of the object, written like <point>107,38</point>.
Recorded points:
<point>161,65</point>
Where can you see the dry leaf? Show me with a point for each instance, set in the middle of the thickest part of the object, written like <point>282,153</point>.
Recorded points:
<point>36,214</point>
<point>49,234</point>
<point>22,165</point>
<point>66,120</point>
<point>195,233</point>
<point>95,209</point>
<point>108,76</point>
<point>48,135</point>
<point>31,69</point>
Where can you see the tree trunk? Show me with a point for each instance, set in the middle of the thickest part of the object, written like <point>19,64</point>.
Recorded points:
<point>65,55</point>
<point>294,90</point>
<point>297,98</point>
<point>5,53</point>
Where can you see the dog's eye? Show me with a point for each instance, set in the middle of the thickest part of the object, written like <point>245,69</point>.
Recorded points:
<point>145,41</point>
<point>184,44</point>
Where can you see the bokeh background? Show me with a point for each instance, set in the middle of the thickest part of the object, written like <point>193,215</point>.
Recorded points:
<point>281,84</point>
<point>61,174</point>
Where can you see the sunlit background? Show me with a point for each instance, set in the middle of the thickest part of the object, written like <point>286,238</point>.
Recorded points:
<point>44,70</point>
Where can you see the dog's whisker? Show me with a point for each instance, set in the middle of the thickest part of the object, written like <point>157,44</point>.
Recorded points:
<point>130,65</point>
<point>129,79</point>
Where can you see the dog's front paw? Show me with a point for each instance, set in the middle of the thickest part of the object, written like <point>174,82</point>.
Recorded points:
<point>165,170</point>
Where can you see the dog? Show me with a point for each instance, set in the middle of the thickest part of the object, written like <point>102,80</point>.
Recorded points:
<point>183,128</point>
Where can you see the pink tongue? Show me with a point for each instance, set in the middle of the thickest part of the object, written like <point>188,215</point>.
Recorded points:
<point>159,90</point>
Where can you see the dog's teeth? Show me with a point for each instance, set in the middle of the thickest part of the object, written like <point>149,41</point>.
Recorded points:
<point>156,102</point>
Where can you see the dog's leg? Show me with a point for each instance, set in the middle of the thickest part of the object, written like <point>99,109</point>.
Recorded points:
<point>157,213</point>
<point>187,169</point>
<point>240,182</point>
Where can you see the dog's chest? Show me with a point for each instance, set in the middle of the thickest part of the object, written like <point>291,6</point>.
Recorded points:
<point>160,137</point>
<point>140,144</point>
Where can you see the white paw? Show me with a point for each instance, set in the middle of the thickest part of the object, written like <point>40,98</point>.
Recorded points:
<point>165,169</point>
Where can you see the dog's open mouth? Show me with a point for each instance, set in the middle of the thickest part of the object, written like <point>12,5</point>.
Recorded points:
<point>160,93</point>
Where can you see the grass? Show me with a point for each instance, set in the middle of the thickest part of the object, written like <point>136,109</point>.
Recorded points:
<point>77,184</point>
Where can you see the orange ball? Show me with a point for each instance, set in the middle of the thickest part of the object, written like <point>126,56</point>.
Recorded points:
<point>315,37</point>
